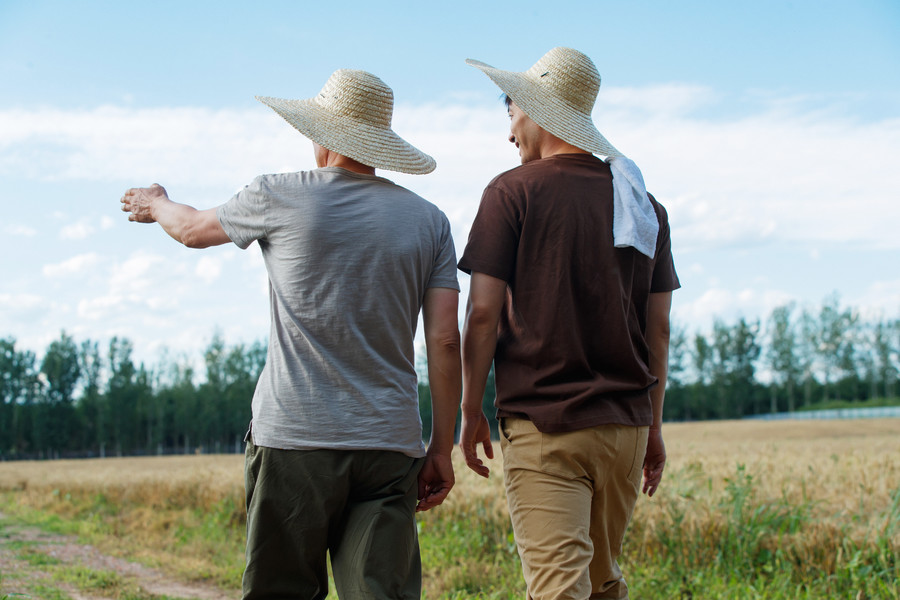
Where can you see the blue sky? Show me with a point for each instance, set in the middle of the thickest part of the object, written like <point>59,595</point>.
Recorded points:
<point>770,130</point>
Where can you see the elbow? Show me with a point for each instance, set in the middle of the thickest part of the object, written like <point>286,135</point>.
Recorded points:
<point>191,238</point>
<point>661,333</point>
<point>481,318</point>
<point>447,341</point>
<point>658,340</point>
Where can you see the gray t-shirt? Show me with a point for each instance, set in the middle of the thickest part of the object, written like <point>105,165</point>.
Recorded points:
<point>349,257</point>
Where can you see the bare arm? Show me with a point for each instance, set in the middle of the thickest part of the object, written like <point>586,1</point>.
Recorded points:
<point>486,297</point>
<point>439,315</point>
<point>658,341</point>
<point>187,225</point>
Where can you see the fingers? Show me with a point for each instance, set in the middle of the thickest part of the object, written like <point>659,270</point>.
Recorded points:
<point>433,488</point>
<point>488,448</point>
<point>470,453</point>
<point>127,198</point>
<point>652,478</point>
<point>475,430</point>
<point>479,467</point>
<point>433,497</point>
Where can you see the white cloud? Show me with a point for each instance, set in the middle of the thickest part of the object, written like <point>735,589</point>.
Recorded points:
<point>20,230</point>
<point>790,171</point>
<point>84,227</point>
<point>140,274</point>
<point>99,308</point>
<point>76,265</point>
<point>178,145</point>
<point>209,268</point>
<point>880,300</point>
<point>728,305</point>
<point>10,303</point>
<point>76,231</point>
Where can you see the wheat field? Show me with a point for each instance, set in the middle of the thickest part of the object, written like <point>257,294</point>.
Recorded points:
<point>803,503</point>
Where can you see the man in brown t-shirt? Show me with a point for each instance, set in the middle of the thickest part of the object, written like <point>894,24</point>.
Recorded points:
<point>572,275</point>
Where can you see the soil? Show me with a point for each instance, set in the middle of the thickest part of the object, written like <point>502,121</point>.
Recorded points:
<point>19,575</point>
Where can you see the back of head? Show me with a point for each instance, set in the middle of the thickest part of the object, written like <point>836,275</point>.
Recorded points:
<point>351,116</point>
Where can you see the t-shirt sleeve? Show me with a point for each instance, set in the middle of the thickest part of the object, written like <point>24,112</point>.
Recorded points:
<point>494,237</point>
<point>664,279</point>
<point>444,272</point>
<point>244,216</point>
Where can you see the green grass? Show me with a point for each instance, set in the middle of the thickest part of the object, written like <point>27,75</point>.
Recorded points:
<point>758,550</point>
<point>711,540</point>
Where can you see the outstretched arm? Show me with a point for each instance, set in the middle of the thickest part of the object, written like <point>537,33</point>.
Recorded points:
<point>658,341</point>
<point>486,297</point>
<point>440,318</point>
<point>187,225</point>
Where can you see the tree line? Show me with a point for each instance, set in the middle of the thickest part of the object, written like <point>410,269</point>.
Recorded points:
<point>797,359</point>
<point>79,401</point>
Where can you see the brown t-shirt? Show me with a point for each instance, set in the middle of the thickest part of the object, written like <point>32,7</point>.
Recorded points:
<point>571,351</point>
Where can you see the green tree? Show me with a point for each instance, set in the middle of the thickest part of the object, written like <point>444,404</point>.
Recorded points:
<point>678,401</point>
<point>702,357</point>
<point>808,354</point>
<point>231,377</point>
<point>243,366</point>
<point>93,430</point>
<point>886,351</point>
<point>735,351</point>
<point>781,355</point>
<point>835,343</point>
<point>127,392</point>
<point>18,389</point>
<point>180,402</point>
<point>61,373</point>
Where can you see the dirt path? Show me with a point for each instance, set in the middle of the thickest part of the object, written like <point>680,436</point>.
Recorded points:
<point>19,575</point>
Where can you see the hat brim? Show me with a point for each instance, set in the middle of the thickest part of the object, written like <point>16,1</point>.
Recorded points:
<point>549,111</point>
<point>376,147</point>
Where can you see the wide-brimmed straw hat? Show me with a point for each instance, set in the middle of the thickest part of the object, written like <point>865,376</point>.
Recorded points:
<point>352,116</point>
<point>557,93</point>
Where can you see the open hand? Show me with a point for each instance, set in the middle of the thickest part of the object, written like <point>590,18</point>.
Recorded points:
<point>139,202</point>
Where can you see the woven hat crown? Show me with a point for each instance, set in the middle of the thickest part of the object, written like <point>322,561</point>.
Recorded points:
<point>558,93</point>
<point>570,76</point>
<point>352,116</point>
<point>358,95</point>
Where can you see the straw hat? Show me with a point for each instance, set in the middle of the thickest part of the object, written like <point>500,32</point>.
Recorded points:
<point>558,94</point>
<point>352,116</point>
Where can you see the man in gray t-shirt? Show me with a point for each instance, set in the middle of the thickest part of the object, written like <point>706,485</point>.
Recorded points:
<point>335,460</point>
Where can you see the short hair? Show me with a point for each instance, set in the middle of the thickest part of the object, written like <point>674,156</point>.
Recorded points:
<point>506,99</point>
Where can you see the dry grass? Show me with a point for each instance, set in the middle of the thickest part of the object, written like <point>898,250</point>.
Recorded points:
<point>846,466</point>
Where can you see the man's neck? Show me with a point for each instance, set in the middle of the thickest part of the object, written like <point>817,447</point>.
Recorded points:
<point>553,145</point>
<point>333,159</point>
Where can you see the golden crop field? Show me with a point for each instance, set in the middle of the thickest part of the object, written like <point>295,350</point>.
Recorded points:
<point>806,497</point>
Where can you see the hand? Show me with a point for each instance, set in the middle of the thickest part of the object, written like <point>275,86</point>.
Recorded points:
<point>475,430</point>
<point>139,202</point>
<point>435,481</point>
<point>654,461</point>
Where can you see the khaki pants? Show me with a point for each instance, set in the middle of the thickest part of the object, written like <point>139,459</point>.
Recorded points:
<point>357,506</point>
<point>571,496</point>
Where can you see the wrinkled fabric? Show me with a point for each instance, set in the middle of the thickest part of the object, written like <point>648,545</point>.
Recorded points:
<point>634,220</point>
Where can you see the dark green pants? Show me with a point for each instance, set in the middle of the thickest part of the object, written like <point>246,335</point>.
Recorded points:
<point>359,506</point>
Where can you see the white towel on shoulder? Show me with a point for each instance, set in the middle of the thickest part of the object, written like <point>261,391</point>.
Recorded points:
<point>634,219</point>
